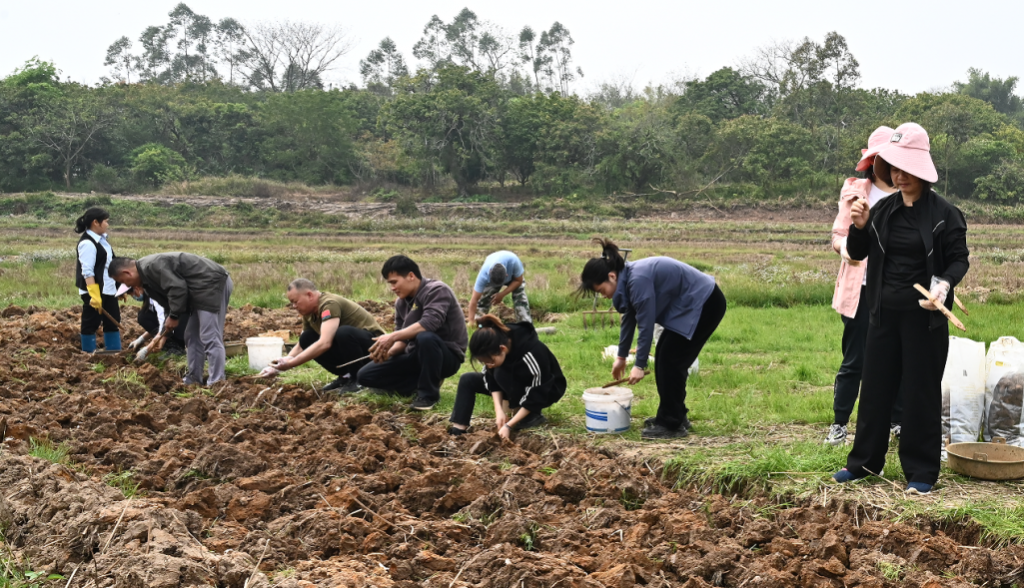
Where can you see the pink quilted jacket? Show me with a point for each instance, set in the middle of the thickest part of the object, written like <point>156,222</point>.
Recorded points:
<point>850,278</point>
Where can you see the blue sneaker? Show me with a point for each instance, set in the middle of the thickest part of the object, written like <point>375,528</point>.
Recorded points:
<point>844,475</point>
<point>918,488</point>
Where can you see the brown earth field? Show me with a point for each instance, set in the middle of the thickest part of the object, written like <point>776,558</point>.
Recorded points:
<point>250,483</point>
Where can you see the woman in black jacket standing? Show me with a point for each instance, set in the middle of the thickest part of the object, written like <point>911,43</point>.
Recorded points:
<point>913,237</point>
<point>519,372</point>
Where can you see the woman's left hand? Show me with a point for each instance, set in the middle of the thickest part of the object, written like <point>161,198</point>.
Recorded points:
<point>505,432</point>
<point>635,375</point>
<point>939,291</point>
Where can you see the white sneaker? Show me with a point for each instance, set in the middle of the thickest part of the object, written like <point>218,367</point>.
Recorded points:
<point>894,430</point>
<point>836,435</point>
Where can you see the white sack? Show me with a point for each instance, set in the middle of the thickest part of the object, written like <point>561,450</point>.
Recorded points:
<point>1003,391</point>
<point>963,391</point>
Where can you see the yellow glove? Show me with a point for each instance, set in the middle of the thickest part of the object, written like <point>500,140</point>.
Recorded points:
<point>95,300</point>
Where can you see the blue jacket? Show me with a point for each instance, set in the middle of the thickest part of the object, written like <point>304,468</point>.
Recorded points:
<point>658,290</point>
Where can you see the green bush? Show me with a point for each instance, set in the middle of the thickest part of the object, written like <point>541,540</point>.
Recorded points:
<point>406,206</point>
<point>107,180</point>
<point>156,164</point>
<point>1005,184</point>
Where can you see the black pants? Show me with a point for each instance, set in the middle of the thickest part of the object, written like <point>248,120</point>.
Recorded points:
<point>91,318</point>
<point>675,356</point>
<point>470,385</point>
<point>902,352</point>
<point>150,321</point>
<point>420,371</point>
<point>847,386</point>
<point>349,344</point>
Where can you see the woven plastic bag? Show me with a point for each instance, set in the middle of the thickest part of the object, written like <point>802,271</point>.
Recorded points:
<point>963,391</point>
<point>1004,391</point>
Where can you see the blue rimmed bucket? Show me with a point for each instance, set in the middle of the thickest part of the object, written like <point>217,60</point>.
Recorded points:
<point>608,410</point>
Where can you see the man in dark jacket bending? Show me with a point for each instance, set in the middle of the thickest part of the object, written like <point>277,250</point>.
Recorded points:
<point>186,284</point>
<point>429,342</point>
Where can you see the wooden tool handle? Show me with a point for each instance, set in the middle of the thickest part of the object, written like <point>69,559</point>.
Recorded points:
<point>956,299</point>
<point>942,308</point>
<point>610,384</point>
<point>354,361</point>
<point>111,319</point>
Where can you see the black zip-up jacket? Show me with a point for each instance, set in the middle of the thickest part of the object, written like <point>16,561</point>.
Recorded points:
<point>944,231</point>
<point>530,376</point>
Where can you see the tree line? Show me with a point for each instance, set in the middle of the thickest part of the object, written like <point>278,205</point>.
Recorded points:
<point>481,107</point>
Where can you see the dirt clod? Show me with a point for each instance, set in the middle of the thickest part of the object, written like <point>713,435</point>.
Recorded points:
<point>295,490</point>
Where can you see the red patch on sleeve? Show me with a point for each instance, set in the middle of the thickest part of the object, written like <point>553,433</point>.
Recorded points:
<point>325,315</point>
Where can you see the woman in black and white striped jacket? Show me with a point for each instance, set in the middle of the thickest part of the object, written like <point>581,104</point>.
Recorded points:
<point>519,373</point>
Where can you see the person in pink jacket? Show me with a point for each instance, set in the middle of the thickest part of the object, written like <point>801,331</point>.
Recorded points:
<point>851,288</point>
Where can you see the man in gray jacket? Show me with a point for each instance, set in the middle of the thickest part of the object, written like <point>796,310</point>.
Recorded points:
<point>429,342</point>
<point>186,285</point>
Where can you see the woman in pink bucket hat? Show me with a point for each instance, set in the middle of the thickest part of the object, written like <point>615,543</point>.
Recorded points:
<point>851,287</point>
<point>912,237</point>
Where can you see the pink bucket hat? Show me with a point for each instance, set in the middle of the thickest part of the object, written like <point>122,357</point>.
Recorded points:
<point>878,139</point>
<point>909,150</point>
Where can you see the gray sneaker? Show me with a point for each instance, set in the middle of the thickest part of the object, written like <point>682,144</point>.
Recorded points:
<point>895,429</point>
<point>836,435</point>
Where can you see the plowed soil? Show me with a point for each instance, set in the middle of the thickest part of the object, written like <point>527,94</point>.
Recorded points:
<point>254,483</point>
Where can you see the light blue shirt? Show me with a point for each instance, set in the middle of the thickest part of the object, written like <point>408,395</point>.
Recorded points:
<point>513,266</point>
<point>87,256</point>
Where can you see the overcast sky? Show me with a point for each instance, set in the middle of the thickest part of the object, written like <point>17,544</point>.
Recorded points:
<point>912,45</point>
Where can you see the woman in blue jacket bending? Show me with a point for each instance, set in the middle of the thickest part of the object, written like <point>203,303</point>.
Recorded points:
<point>683,300</point>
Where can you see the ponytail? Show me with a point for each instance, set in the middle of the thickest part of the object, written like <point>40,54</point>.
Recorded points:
<point>93,214</point>
<point>597,269</point>
<point>490,335</point>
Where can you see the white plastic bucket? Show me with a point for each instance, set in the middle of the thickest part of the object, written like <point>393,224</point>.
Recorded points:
<point>608,409</point>
<point>263,350</point>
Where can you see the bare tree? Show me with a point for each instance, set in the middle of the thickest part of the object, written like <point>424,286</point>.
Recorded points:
<point>289,56</point>
<point>785,66</point>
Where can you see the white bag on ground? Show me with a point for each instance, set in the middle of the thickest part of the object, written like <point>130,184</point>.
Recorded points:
<point>1004,393</point>
<point>612,351</point>
<point>963,391</point>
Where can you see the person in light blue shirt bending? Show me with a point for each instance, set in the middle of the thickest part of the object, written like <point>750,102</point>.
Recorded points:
<point>502,274</point>
<point>658,290</point>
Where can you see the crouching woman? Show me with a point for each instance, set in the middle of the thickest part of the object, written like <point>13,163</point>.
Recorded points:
<point>519,372</point>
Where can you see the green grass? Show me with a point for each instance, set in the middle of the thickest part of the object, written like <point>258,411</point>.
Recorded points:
<point>18,574</point>
<point>123,481</point>
<point>1000,524</point>
<point>50,451</point>
<point>890,571</point>
<point>755,468</point>
<point>126,380</point>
